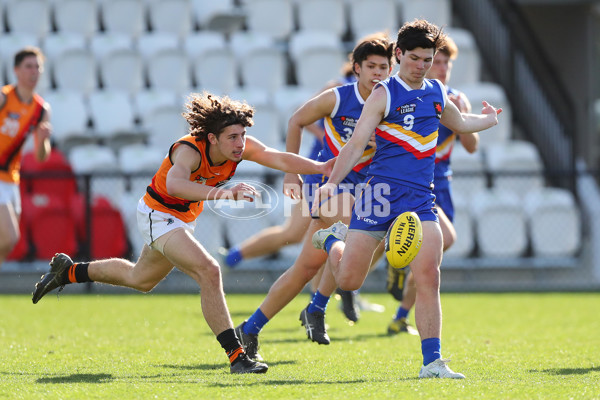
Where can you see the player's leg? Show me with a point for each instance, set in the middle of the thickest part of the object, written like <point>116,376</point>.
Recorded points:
<point>400,322</point>
<point>273,238</point>
<point>9,230</point>
<point>448,230</point>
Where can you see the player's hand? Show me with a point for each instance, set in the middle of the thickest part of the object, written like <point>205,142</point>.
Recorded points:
<point>327,166</point>
<point>292,186</point>
<point>373,141</point>
<point>44,130</point>
<point>243,191</point>
<point>321,195</point>
<point>488,109</point>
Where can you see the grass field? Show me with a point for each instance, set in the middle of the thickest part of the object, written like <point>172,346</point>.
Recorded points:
<point>510,346</point>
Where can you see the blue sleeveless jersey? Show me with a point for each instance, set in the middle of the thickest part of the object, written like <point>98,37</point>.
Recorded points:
<point>407,135</point>
<point>446,140</point>
<point>339,126</point>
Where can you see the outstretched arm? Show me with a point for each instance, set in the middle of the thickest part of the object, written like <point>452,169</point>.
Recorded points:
<point>467,123</point>
<point>287,162</point>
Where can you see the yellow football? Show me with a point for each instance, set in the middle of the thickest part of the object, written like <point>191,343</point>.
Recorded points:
<point>403,239</point>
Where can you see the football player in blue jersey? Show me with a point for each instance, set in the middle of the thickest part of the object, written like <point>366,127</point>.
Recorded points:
<point>341,107</point>
<point>405,112</point>
<point>440,69</point>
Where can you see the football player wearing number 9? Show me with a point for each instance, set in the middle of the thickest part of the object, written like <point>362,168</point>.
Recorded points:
<point>341,107</point>
<point>440,69</point>
<point>195,169</point>
<point>405,112</point>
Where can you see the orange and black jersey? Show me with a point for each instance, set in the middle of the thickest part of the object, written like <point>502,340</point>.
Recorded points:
<point>17,119</point>
<point>157,197</point>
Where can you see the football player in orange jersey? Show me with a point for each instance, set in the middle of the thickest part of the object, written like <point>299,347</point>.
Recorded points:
<point>196,169</point>
<point>22,111</point>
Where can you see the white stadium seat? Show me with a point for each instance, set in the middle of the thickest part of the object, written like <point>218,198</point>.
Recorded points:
<point>76,16</point>
<point>75,70</point>
<point>55,44</point>
<point>215,71</point>
<point>322,15</point>
<point>30,17</point>
<point>137,157</point>
<point>171,16</point>
<point>465,231</point>
<point>106,43</point>
<point>169,70</point>
<point>466,69</point>
<point>493,94</point>
<point>122,70</point>
<point>264,67</point>
<point>164,126</point>
<point>367,17</point>
<point>112,113</point>
<point>501,226</point>
<point>70,116</point>
<point>123,17</point>
<point>221,16</point>
<point>147,101</point>
<point>151,43</point>
<point>521,163</point>
<point>435,11</point>
<point>197,43</point>
<point>469,171</point>
<point>554,222</point>
<point>271,17</point>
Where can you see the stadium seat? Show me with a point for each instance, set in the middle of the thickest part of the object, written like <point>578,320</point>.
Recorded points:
<point>501,226</point>
<point>123,17</point>
<point>147,101</point>
<point>76,16</point>
<point>317,57</point>
<point>215,71</point>
<point>10,43</point>
<point>271,17</point>
<point>210,230</point>
<point>493,94</point>
<point>515,165</point>
<point>75,70</point>
<point>469,171</point>
<point>164,126</point>
<point>367,17</point>
<point>196,43</point>
<point>221,16</point>
<point>55,44</point>
<point>438,12</point>
<point>327,15</point>
<point>169,70</point>
<point>554,222</point>
<point>264,68</point>
<point>53,177</point>
<point>108,232</point>
<point>69,118</point>
<point>287,100</point>
<point>122,70</point>
<point>137,158</point>
<point>49,212</point>
<point>121,124</point>
<point>465,233</point>
<point>154,42</point>
<point>105,44</point>
<point>466,69</point>
<point>170,16</point>
<point>30,17</point>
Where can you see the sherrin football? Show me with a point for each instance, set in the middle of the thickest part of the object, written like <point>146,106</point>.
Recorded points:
<point>403,239</point>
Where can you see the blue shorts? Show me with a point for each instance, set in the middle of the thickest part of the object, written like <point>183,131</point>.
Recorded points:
<point>382,201</point>
<point>353,184</point>
<point>443,197</point>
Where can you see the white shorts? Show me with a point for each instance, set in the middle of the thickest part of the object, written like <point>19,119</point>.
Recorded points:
<point>153,224</point>
<point>9,194</point>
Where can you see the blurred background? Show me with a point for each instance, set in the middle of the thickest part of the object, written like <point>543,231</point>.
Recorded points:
<point>118,72</point>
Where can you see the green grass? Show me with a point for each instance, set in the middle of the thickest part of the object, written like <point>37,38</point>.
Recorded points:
<point>510,346</point>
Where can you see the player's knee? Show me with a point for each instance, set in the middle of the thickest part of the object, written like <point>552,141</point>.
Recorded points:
<point>348,282</point>
<point>8,244</point>
<point>209,272</point>
<point>429,276</point>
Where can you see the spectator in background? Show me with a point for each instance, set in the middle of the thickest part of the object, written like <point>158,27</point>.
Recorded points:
<point>440,69</point>
<point>196,168</point>
<point>22,111</point>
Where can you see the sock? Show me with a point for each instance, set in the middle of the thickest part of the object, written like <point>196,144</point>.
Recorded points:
<point>230,343</point>
<point>76,273</point>
<point>431,349</point>
<point>318,303</point>
<point>234,256</point>
<point>255,323</point>
<point>401,313</point>
<point>329,241</point>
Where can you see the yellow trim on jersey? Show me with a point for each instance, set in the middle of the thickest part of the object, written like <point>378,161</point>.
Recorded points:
<point>423,140</point>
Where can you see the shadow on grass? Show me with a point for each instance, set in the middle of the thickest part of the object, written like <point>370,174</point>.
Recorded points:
<point>197,367</point>
<point>287,382</point>
<point>567,371</point>
<point>77,378</point>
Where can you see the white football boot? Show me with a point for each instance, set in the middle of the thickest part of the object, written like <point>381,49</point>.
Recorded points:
<point>439,369</point>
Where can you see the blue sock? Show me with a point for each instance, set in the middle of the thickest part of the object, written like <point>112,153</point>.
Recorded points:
<point>255,323</point>
<point>234,256</point>
<point>318,303</point>
<point>401,313</point>
<point>329,241</point>
<point>431,349</point>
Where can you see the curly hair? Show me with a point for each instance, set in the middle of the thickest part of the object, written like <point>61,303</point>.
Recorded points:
<point>208,113</point>
<point>419,33</point>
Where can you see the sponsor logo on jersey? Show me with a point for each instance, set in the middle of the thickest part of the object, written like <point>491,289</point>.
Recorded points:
<point>407,108</point>
<point>347,121</point>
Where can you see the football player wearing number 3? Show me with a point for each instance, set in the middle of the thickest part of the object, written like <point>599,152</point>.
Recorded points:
<point>195,169</point>
<point>405,112</point>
